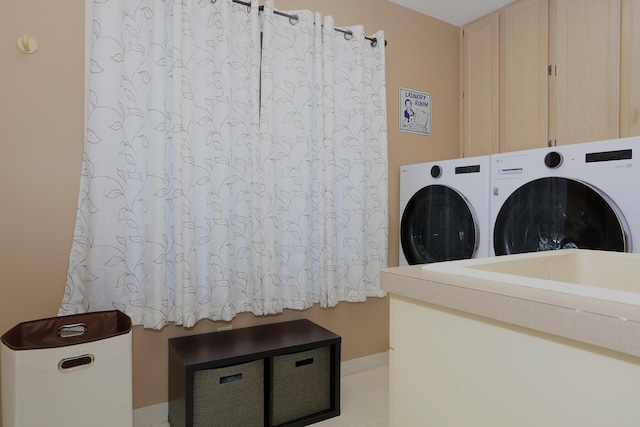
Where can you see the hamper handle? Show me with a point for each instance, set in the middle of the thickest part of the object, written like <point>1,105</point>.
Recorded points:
<point>231,378</point>
<point>76,362</point>
<point>304,362</point>
<point>73,330</point>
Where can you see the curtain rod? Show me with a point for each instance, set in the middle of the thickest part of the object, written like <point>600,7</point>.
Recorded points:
<point>293,20</point>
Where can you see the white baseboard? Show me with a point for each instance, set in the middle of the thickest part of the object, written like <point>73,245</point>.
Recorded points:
<point>361,364</point>
<point>156,415</point>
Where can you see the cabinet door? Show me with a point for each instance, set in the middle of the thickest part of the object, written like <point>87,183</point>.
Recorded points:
<point>630,69</point>
<point>587,75</point>
<point>479,65</point>
<point>524,96</point>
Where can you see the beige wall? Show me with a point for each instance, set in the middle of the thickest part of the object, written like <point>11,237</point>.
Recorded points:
<point>41,120</point>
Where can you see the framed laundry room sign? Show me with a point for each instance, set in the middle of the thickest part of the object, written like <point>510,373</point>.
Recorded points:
<point>415,111</point>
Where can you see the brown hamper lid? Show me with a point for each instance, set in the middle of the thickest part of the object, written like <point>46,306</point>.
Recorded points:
<point>86,327</point>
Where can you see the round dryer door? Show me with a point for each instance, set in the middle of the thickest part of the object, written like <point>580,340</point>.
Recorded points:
<point>558,213</point>
<point>438,225</point>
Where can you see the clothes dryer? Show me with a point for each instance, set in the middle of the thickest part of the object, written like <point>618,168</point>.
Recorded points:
<point>444,210</point>
<point>576,196</point>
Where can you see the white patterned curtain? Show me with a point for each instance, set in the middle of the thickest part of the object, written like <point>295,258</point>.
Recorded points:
<point>225,174</point>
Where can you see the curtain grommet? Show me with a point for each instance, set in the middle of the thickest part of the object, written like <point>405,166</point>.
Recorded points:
<point>294,19</point>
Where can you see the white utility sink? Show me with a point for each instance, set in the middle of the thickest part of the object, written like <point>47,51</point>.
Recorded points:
<point>611,276</point>
<point>538,339</point>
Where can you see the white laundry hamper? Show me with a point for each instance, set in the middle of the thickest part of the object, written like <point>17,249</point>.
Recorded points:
<point>68,371</point>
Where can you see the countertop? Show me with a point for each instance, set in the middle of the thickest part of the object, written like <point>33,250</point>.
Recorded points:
<point>607,324</point>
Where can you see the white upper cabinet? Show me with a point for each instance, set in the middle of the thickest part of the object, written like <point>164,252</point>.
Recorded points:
<point>525,80</point>
<point>586,70</point>
<point>479,81</point>
<point>630,69</point>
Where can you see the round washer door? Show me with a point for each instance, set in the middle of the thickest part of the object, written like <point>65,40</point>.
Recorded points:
<point>438,225</point>
<point>558,213</point>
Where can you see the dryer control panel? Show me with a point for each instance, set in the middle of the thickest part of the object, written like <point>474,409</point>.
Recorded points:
<point>510,167</point>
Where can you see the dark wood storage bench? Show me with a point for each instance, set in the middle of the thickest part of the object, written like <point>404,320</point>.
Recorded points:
<point>276,375</point>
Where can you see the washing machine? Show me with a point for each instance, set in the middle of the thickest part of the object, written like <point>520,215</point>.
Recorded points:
<point>444,210</point>
<point>575,196</point>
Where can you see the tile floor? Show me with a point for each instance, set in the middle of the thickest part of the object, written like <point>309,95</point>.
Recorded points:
<point>364,401</point>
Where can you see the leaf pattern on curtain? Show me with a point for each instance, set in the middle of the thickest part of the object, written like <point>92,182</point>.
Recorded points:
<point>223,174</point>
